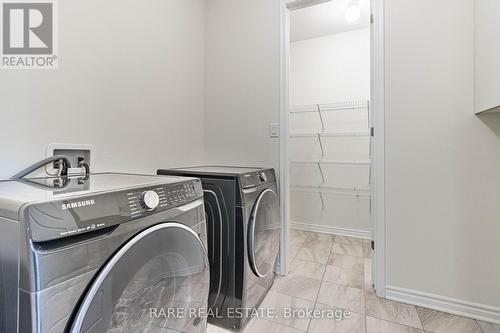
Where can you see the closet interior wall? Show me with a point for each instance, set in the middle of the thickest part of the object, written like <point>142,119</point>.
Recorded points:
<point>329,133</point>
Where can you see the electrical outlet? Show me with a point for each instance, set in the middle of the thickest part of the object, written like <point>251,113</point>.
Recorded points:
<point>75,153</point>
<point>274,130</point>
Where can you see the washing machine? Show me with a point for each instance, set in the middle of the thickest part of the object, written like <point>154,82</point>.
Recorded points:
<point>103,253</point>
<point>243,223</point>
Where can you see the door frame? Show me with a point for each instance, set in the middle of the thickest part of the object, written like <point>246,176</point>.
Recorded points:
<point>377,104</point>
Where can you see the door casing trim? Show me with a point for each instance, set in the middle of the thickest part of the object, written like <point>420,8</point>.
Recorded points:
<point>377,105</point>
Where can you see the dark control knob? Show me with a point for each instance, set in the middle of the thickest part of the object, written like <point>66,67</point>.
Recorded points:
<point>263,177</point>
<point>150,200</point>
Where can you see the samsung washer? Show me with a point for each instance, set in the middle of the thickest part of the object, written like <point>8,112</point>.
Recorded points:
<point>103,253</point>
<point>243,223</point>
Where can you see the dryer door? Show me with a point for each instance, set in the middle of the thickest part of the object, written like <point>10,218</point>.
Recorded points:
<point>157,282</point>
<point>264,233</point>
<point>217,222</point>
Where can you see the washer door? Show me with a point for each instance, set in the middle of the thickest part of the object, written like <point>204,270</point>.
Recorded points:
<point>264,233</point>
<point>157,282</point>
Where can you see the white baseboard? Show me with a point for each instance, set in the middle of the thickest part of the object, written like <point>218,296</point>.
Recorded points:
<point>445,304</point>
<point>331,230</point>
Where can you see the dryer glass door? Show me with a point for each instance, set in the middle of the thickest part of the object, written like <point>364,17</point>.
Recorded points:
<point>216,216</point>
<point>264,233</point>
<point>157,282</point>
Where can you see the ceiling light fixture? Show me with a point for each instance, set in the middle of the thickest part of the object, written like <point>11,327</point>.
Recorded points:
<point>353,12</point>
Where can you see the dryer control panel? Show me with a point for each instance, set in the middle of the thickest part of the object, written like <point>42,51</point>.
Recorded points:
<point>65,218</point>
<point>257,178</point>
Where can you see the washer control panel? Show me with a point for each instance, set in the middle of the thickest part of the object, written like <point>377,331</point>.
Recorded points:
<point>144,201</point>
<point>150,199</point>
<point>69,217</point>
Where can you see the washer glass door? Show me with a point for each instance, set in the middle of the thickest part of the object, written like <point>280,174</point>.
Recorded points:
<point>264,233</point>
<point>157,282</point>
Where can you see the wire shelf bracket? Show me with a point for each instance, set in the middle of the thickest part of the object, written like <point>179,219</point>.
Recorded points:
<point>320,118</point>
<point>321,172</point>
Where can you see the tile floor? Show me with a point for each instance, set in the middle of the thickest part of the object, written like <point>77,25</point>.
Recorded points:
<point>334,272</point>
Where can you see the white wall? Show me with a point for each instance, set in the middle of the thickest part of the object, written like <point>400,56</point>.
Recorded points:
<point>130,81</point>
<point>443,162</point>
<point>242,82</point>
<point>334,68</point>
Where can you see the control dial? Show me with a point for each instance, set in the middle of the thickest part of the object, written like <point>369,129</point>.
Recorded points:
<point>150,200</point>
<point>263,177</point>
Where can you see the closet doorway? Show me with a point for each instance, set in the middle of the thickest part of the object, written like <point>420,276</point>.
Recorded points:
<point>331,105</point>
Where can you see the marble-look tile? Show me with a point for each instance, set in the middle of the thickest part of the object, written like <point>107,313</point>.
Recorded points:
<point>316,236</point>
<point>345,261</point>
<point>367,248</point>
<point>400,313</point>
<point>298,237</point>
<point>316,252</point>
<point>292,253</point>
<point>370,289</point>
<point>440,322</point>
<point>279,302</point>
<point>308,269</point>
<point>344,276</point>
<point>342,297</point>
<point>257,325</point>
<point>298,232</point>
<point>367,273</point>
<point>367,264</point>
<point>317,243</point>
<point>354,323</point>
<point>375,325</point>
<point>297,286</point>
<point>368,280</point>
<point>348,245</point>
<point>489,327</point>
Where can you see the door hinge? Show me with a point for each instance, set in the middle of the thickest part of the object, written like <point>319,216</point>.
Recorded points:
<point>373,245</point>
<point>371,18</point>
<point>372,131</point>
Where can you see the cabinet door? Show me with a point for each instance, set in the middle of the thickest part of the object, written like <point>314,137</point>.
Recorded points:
<point>486,56</point>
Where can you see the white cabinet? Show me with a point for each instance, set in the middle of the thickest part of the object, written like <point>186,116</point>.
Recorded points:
<point>486,56</point>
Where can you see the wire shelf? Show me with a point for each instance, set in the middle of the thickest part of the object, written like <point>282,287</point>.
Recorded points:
<point>320,109</point>
<point>356,192</point>
<point>342,106</point>
<point>334,162</point>
<point>314,134</point>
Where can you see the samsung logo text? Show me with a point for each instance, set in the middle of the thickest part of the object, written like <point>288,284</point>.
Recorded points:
<point>78,204</point>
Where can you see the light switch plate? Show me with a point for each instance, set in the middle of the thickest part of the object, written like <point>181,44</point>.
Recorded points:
<point>274,130</point>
